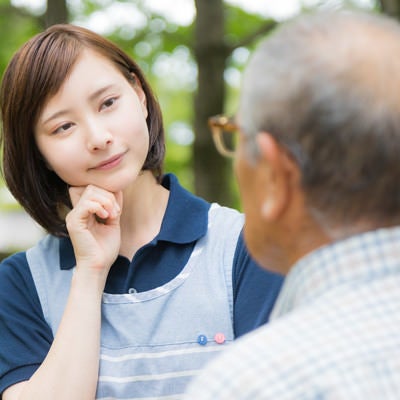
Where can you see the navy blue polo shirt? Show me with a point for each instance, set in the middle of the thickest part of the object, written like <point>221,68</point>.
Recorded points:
<point>25,337</point>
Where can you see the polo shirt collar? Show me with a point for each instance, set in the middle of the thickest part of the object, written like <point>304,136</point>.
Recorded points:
<point>185,220</point>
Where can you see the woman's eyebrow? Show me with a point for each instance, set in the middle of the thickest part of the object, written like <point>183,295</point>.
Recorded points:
<point>57,114</point>
<point>100,91</point>
<point>92,97</point>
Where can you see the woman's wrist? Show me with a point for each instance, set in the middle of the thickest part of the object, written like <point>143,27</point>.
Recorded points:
<point>90,280</point>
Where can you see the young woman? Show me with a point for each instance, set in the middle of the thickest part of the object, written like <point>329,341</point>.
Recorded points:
<point>138,283</point>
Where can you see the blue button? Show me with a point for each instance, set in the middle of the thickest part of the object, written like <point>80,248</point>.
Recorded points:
<point>202,339</point>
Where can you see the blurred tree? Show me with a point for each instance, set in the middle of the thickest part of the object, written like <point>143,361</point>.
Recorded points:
<point>56,12</point>
<point>211,52</point>
<point>214,43</point>
<point>390,7</point>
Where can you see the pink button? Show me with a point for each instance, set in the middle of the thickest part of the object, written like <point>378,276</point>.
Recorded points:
<point>219,338</point>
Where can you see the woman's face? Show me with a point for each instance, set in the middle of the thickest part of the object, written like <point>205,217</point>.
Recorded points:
<point>93,130</point>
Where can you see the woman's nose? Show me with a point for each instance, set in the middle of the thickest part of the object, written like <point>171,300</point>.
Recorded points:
<point>98,137</point>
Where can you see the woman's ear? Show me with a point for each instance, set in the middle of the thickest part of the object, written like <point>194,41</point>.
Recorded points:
<point>140,93</point>
<point>281,177</point>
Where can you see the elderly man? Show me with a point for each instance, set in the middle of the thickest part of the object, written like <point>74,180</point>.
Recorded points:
<point>318,165</point>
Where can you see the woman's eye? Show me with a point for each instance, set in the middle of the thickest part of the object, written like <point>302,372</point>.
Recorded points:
<point>63,127</point>
<point>108,103</point>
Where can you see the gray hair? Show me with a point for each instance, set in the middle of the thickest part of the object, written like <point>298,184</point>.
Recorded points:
<point>327,87</point>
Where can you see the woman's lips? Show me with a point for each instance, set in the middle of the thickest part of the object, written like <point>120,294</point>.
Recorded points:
<point>110,162</point>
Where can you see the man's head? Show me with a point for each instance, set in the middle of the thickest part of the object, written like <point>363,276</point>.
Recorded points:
<point>320,120</point>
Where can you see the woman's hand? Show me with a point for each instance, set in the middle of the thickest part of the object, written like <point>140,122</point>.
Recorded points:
<point>94,229</point>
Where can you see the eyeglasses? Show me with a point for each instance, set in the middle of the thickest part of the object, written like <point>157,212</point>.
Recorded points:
<point>224,132</point>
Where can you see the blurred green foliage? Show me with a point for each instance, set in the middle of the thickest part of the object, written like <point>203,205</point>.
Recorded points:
<point>164,51</point>
<point>16,25</point>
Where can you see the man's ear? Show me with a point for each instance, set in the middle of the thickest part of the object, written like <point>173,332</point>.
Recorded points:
<point>281,179</point>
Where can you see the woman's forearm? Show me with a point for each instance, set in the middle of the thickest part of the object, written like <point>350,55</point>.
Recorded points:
<point>70,370</point>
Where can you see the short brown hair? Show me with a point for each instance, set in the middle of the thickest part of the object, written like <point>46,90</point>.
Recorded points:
<point>34,74</point>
